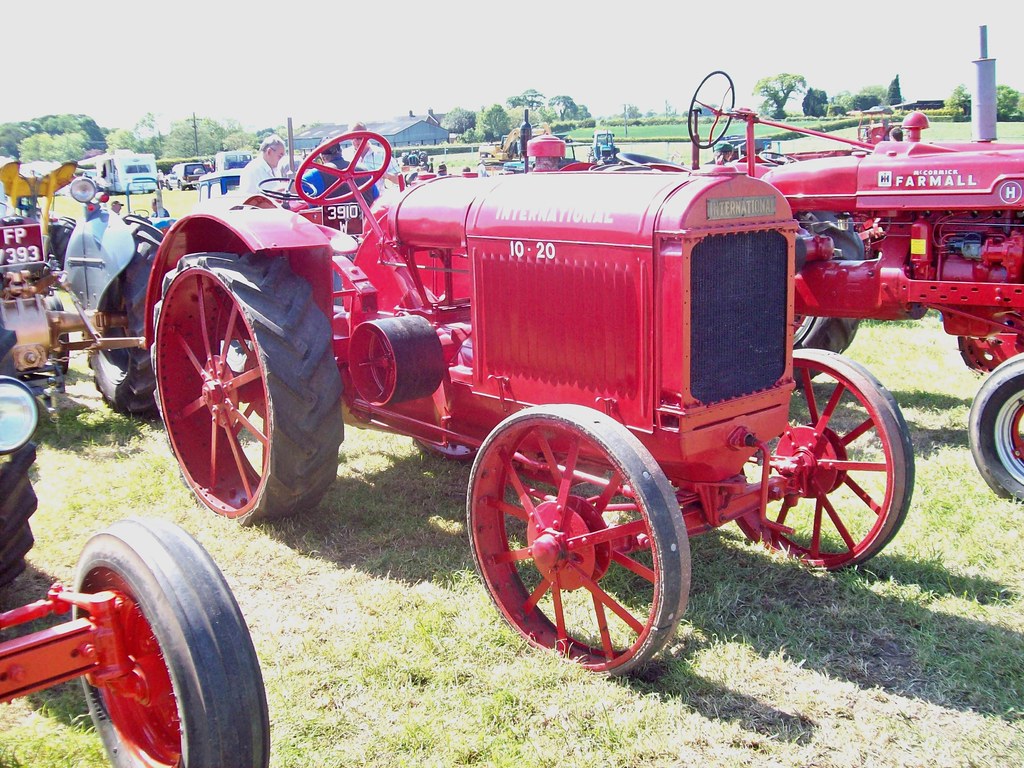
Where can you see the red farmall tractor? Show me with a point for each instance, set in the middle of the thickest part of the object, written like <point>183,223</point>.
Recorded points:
<point>167,665</point>
<point>903,227</point>
<point>614,350</point>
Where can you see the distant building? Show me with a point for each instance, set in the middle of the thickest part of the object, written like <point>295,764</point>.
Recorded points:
<point>411,131</point>
<point>910,106</point>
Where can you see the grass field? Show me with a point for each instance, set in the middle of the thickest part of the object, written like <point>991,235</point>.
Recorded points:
<point>380,647</point>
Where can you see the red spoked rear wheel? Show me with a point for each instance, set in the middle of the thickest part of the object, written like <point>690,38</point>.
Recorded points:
<point>578,537</point>
<point>848,464</point>
<point>248,386</point>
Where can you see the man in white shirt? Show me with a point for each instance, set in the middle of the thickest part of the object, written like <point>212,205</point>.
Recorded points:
<point>263,166</point>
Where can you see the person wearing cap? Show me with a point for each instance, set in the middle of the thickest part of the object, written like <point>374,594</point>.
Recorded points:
<point>115,206</point>
<point>263,166</point>
<point>725,153</point>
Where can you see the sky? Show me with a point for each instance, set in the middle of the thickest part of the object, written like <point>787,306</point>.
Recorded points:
<point>257,64</point>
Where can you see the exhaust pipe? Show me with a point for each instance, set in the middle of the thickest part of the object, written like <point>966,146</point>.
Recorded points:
<point>983,103</point>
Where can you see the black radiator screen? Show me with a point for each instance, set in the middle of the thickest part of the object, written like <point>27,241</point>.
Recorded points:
<point>738,294</point>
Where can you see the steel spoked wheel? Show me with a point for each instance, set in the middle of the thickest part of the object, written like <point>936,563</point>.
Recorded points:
<point>248,387</point>
<point>578,537</point>
<point>194,694</point>
<point>848,465</point>
<point>995,429</point>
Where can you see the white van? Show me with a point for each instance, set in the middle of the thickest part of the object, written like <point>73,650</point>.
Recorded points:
<point>124,171</point>
<point>236,158</point>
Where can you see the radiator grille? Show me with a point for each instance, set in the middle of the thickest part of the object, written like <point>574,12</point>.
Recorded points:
<point>738,317</point>
<point>572,322</point>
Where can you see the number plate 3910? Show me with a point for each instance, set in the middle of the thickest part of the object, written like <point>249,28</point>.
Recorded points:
<point>334,215</point>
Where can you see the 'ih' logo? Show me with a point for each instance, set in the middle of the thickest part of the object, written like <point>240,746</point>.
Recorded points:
<point>885,178</point>
<point>1010,192</point>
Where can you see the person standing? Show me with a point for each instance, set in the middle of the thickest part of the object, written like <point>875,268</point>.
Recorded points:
<point>263,166</point>
<point>374,157</point>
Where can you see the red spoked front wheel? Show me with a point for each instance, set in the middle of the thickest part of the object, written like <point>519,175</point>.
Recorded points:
<point>578,537</point>
<point>248,386</point>
<point>848,464</point>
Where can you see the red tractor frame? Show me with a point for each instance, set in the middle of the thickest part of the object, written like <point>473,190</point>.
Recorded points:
<point>613,351</point>
<point>901,227</point>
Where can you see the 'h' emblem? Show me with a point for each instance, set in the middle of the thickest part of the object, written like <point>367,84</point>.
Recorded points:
<point>1010,192</point>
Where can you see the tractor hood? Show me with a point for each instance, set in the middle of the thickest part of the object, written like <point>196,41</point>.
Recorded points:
<point>611,209</point>
<point>907,175</point>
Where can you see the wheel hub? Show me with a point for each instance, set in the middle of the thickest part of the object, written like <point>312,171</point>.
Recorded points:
<point>215,395</point>
<point>557,541</point>
<point>806,449</point>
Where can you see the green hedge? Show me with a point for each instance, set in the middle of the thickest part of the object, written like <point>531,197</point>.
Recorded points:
<point>165,164</point>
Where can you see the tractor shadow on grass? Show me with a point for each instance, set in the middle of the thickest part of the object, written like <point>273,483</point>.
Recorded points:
<point>930,440</point>
<point>85,420</point>
<point>876,627</point>
<point>842,626</point>
<point>402,520</point>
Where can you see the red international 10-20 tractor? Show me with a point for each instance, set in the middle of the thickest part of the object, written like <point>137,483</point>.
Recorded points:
<point>613,351</point>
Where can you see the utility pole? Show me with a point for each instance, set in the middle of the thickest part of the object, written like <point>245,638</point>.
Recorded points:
<point>195,133</point>
<point>625,121</point>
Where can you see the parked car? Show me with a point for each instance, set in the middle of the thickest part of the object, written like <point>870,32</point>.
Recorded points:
<point>184,175</point>
<point>218,184</point>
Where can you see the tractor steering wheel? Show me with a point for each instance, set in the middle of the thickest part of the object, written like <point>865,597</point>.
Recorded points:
<point>649,161</point>
<point>282,188</point>
<point>340,177</point>
<point>774,158</point>
<point>712,84</point>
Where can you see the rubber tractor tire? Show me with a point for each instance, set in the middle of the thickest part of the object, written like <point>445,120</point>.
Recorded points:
<point>249,389</point>
<point>60,236</point>
<point>124,377</point>
<point>17,499</point>
<point>832,334</point>
<point>17,503</point>
<point>205,704</point>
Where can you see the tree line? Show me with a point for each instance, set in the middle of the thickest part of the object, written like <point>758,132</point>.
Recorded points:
<point>68,136</point>
<point>778,90</point>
